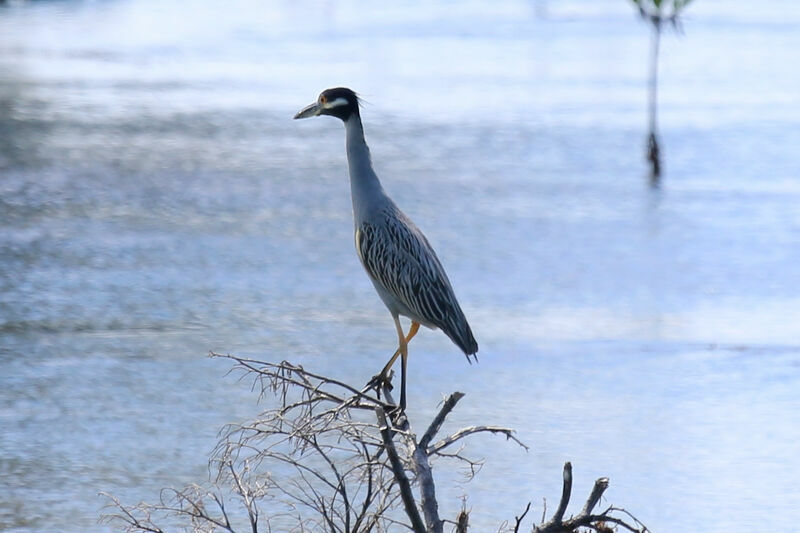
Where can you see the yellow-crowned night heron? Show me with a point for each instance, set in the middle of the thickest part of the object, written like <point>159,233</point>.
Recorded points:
<point>396,255</point>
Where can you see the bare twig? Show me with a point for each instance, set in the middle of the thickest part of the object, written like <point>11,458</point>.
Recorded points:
<point>460,434</point>
<point>518,519</point>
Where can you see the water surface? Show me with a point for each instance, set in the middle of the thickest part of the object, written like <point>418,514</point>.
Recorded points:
<point>157,202</point>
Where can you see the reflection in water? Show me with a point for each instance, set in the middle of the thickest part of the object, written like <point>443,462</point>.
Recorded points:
<point>157,202</point>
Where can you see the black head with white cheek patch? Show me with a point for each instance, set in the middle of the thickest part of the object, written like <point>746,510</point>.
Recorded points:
<point>338,102</point>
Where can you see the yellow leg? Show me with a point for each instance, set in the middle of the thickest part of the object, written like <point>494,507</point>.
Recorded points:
<point>412,331</point>
<point>402,351</point>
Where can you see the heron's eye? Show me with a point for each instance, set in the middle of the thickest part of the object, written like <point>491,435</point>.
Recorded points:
<point>323,99</point>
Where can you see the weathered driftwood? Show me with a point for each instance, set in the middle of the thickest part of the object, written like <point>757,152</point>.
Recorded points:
<point>334,458</point>
<point>585,519</point>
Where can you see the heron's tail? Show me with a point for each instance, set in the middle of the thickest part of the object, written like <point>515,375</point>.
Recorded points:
<point>461,334</point>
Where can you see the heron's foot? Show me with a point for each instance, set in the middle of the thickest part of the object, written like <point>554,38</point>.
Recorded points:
<point>396,414</point>
<point>379,382</point>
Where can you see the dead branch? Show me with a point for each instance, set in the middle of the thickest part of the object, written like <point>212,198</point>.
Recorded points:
<point>438,420</point>
<point>437,448</point>
<point>566,493</point>
<point>189,503</point>
<point>585,518</point>
<point>400,474</point>
<point>518,519</point>
<point>419,462</point>
<point>331,457</point>
<point>327,457</point>
<point>462,521</point>
<point>430,506</point>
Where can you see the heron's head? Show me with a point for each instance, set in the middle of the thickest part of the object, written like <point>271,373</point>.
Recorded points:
<point>339,102</point>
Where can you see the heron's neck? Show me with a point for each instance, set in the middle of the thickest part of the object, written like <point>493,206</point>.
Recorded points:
<point>365,187</point>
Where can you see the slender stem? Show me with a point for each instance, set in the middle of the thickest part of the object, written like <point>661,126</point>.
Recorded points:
<point>653,152</point>
<point>653,81</point>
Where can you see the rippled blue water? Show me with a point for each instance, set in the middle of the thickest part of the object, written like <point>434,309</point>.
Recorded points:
<point>157,202</point>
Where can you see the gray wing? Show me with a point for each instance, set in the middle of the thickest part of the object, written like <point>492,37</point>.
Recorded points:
<point>397,256</point>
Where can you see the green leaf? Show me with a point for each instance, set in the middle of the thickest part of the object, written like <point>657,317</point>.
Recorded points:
<point>678,5</point>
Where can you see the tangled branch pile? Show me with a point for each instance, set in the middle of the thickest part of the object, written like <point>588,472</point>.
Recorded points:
<point>334,458</point>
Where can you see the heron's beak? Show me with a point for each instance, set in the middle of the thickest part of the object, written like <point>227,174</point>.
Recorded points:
<point>312,110</point>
